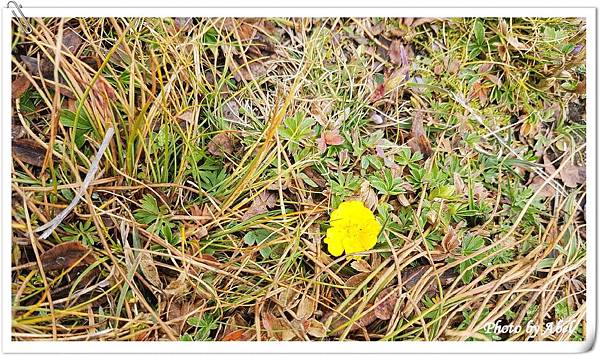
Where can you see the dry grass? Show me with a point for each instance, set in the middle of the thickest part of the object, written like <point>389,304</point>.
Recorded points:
<point>205,220</point>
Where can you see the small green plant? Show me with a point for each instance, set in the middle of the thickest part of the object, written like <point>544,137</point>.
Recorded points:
<point>203,327</point>
<point>81,231</point>
<point>295,129</point>
<point>258,237</point>
<point>387,184</point>
<point>157,218</point>
<point>470,244</point>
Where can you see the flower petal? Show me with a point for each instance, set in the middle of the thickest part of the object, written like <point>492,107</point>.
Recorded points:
<point>334,241</point>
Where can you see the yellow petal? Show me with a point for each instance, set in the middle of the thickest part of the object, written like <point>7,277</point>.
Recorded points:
<point>334,242</point>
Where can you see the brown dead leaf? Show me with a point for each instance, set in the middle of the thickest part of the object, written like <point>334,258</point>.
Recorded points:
<point>378,93</point>
<point>43,67</point>
<point>177,286</point>
<point>385,303</point>
<point>419,141</point>
<point>65,255</point>
<point>479,192</point>
<point>572,175</point>
<point>204,213</point>
<point>459,184</point>
<point>238,335</point>
<point>452,65</point>
<point>261,204</point>
<point>412,276</point>
<point>397,53</point>
<point>316,328</point>
<point>368,195</point>
<point>338,320</point>
<point>183,24</point>
<point>186,119</point>
<point>547,191</point>
<point>254,70</point>
<point>221,145</point>
<point>277,328</point>
<point>71,40</point>
<point>19,86</point>
<point>450,241</point>
<point>329,138</point>
<point>28,151</point>
<point>356,280</point>
<point>149,269</point>
<point>306,308</point>
<point>423,20</point>
<point>386,160</point>
<point>178,309</point>
<point>17,131</point>
<point>361,266</point>
<point>103,89</point>
<point>231,112</point>
<point>315,177</point>
<point>514,42</point>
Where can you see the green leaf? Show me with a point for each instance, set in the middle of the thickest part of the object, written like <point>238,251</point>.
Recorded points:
<point>194,321</point>
<point>479,30</point>
<point>445,192</point>
<point>471,244</point>
<point>265,252</point>
<point>256,236</point>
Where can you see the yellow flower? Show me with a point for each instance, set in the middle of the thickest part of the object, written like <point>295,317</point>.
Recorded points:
<point>353,229</point>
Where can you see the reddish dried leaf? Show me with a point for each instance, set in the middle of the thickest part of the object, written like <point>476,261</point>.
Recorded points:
<point>355,281</point>
<point>315,177</point>
<point>17,131</point>
<point>254,70</point>
<point>419,141</point>
<point>329,138</point>
<point>237,335</point>
<point>452,65</point>
<point>221,145</point>
<point>548,165</point>
<point>368,196</point>
<point>178,309</point>
<point>450,241</point>
<point>71,40</point>
<point>572,175</point>
<point>547,191</point>
<point>494,79</point>
<point>385,303</point>
<point>397,53</point>
<point>513,41</point>
<point>263,202</point>
<point>43,67</point>
<point>177,286</point>
<point>186,119</point>
<point>102,87</point>
<point>19,86</point>
<point>378,93</point>
<point>412,276</point>
<point>277,328</point>
<point>28,151</point>
<point>65,255</point>
<point>316,328</point>
<point>183,23</point>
